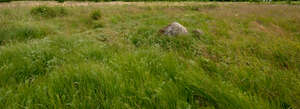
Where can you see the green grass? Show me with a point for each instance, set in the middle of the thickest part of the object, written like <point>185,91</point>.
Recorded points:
<point>246,59</point>
<point>45,11</point>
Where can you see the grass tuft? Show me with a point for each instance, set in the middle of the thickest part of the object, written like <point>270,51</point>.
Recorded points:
<point>96,15</point>
<point>48,12</point>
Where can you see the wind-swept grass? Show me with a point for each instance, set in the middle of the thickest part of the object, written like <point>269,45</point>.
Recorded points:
<point>21,32</point>
<point>244,59</point>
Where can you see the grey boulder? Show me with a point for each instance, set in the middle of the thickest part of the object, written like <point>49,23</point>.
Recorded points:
<point>174,29</point>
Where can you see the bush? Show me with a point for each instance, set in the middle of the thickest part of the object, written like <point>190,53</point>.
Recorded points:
<point>5,1</point>
<point>289,1</point>
<point>60,1</point>
<point>254,1</point>
<point>45,11</point>
<point>96,15</point>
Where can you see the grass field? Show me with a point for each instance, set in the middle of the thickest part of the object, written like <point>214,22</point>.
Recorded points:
<point>109,55</point>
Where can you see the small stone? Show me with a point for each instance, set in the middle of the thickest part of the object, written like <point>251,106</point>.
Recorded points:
<point>174,29</point>
<point>198,32</point>
<point>76,84</point>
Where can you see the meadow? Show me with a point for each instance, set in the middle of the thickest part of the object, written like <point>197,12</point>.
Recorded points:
<point>86,55</point>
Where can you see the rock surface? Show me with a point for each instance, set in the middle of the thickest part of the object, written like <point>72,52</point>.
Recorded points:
<point>174,29</point>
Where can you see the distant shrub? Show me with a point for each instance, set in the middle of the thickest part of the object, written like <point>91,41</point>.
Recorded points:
<point>195,7</point>
<point>60,1</point>
<point>209,6</point>
<point>254,0</point>
<point>96,15</point>
<point>289,1</point>
<point>5,1</point>
<point>45,11</point>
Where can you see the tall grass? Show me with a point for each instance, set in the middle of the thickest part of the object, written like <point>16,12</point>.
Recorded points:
<point>142,78</point>
<point>45,11</point>
<point>21,32</point>
<point>245,62</point>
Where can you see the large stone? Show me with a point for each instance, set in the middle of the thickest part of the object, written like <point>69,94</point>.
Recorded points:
<point>174,29</point>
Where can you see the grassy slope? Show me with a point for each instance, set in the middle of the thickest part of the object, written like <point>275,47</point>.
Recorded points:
<point>249,57</point>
